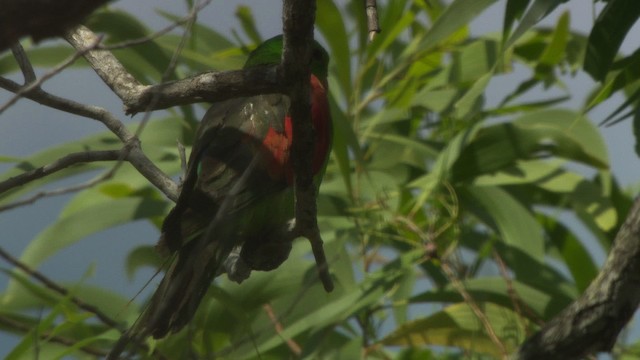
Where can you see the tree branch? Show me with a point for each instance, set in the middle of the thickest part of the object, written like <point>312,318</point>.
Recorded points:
<point>210,86</point>
<point>135,157</point>
<point>104,63</point>
<point>60,164</point>
<point>24,63</point>
<point>298,17</point>
<point>19,326</point>
<point>373,25</point>
<point>592,323</point>
<point>206,87</point>
<point>60,290</point>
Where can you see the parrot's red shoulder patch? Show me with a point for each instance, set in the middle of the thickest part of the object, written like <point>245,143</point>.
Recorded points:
<point>278,143</point>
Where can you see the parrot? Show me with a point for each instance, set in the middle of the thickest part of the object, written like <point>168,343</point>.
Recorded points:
<point>235,210</point>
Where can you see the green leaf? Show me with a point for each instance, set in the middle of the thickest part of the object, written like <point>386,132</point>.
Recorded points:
<point>470,103</point>
<point>540,303</point>
<point>442,166</point>
<point>573,253</point>
<point>514,11</point>
<point>341,304</point>
<point>145,61</point>
<point>607,34</point>
<point>457,325</point>
<point>142,256</point>
<point>474,61</point>
<point>458,14</point>
<point>248,23</point>
<point>538,134</point>
<point>330,22</point>
<point>555,50</point>
<point>538,11</point>
<point>39,56</point>
<point>81,223</point>
<point>515,223</point>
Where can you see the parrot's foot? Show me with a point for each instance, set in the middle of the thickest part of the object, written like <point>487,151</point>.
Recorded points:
<point>237,270</point>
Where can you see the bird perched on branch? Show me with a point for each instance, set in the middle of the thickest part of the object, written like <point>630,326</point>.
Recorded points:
<point>235,212</point>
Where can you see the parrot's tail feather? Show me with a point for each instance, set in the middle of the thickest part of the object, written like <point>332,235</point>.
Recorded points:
<point>198,262</point>
<point>181,290</point>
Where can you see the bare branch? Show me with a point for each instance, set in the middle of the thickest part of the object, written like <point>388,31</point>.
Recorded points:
<point>36,84</point>
<point>135,156</point>
<point>19,326</point>
<point>207,87</point>
<point>24,63</point>
<point>298,17</point>
<point>295,348</point>
<point>210,86</point>
<point>104,63</point>
<point>60,164</point>
<point>468,299</point>
<point>592,323</point>
<point>185,20</point>
<point>373,25</point>
<point>50,284</point>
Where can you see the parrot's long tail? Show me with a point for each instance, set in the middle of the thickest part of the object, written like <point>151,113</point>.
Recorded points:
<point>182,288</point>
<point>176,300</point>
<point>186,282</point>
<point>198,262</point>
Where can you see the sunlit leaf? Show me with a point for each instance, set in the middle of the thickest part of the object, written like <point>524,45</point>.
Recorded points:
<point>458,325</point>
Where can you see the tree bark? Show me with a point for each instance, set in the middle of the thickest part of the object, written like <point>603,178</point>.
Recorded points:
<point>592,323</point>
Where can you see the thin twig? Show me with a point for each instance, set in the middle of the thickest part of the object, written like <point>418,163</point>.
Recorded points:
<point>24,63</point>
<point>486,324</point>
<point>50,284</point>
<point>293,346</point>
<point>60,164</point>
<point>373,25</point>
<point>25,328</point>
<point>36,84</point>
<point>516,300</point>
<point>62,191</point>
<point>298,19</point>
<point>129,43</point>
<point>135,156</point>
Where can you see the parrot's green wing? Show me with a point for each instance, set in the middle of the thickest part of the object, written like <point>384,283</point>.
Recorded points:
<point>228,198</point>
<point>235,210</point>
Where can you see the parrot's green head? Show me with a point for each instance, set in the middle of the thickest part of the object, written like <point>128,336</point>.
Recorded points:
<point>270,53</point>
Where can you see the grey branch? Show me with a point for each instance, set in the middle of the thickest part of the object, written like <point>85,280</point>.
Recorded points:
<point>298,19</point>
<point>135,156</point>
<point>373,25</point>
<point>592,323</point>
<point>23,61</point>
<point>209,86</point>
<point>60,290</point>
<point>60,164</point>
<point>104,63</point>
<point>206,87</point>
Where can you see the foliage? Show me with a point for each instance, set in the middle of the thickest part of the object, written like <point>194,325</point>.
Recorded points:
<point>441,215</point>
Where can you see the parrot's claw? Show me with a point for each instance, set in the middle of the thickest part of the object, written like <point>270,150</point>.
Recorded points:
<point>237,270</point>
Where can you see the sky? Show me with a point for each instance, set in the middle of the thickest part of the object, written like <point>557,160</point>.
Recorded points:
<point>27,127</point>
